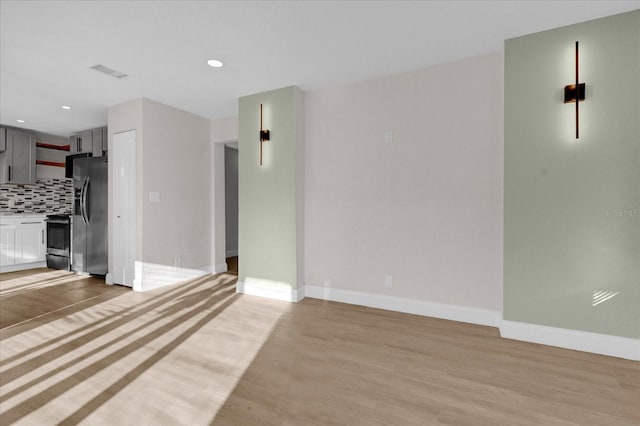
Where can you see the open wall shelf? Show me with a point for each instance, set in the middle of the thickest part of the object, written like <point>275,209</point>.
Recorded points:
<point>51,146</point>
<point>50,163</point>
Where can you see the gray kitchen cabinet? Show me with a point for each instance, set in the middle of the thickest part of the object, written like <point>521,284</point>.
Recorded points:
<point>18,161</point>
<point>105,140</point>
<point>90,141</point>
<point>81,143</point>
<point>3,139</point>
<point>97,142</point>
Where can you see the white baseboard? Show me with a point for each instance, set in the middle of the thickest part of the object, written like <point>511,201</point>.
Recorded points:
<point>232,253</point>
<point>603,344</point>
<point>150,276</point>
<point>22,266</point>
<point>621,347</point>
<point>279,292</point>
<point>215,269</point>
<point>409,306</point>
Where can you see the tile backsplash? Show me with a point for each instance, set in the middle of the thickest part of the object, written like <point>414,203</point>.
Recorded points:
<point>45,196</point>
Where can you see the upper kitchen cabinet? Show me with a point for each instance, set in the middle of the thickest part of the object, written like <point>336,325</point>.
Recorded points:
<point>99,141</point>
<point>82,142</point>
<point>18,160</point>
<point>3,139</point>
<point>90,141</point>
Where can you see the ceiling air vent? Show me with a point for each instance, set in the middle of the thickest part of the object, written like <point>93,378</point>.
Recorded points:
<point>109,71</point>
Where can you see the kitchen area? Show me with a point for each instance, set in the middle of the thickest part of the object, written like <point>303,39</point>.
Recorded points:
<point>53,201</point>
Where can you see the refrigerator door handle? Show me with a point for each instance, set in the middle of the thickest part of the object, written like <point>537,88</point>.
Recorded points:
<point>81,195</point>
<point>87,200</point>
<point>83,200</point>
<point>80,199</point>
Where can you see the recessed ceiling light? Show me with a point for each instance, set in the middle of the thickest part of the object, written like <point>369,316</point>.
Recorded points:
<point>215,63</point>
<point>66,107</point>
<point>20,121</point>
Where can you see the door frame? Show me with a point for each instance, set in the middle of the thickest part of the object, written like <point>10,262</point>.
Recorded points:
<point>219,249</point>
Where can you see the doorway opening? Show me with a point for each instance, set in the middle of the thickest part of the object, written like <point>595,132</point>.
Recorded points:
<point>231,206</point>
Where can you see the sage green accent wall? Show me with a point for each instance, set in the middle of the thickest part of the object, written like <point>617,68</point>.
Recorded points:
<point>270,196</point>
<point>572,207</point>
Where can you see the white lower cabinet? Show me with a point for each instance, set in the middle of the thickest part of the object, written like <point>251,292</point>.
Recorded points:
<point>7,242</point>
<point>23,242</point>
<point>30,245</point>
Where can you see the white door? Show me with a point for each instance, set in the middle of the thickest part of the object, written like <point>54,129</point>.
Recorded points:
<point>123,220</point>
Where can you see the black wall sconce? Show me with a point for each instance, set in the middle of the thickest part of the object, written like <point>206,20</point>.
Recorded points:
<point>575,93</point>
<point>264,135</point>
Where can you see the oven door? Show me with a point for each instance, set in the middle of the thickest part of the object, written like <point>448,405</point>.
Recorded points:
<point>58,237</point>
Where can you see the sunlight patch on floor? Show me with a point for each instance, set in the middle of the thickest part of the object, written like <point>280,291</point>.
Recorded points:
<point>37,280</point>
<point>174,354</point>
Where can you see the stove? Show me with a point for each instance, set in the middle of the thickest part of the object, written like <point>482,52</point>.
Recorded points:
<point>59,241</point>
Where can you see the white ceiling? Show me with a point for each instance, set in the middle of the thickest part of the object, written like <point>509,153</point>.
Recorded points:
<point>47,48</point>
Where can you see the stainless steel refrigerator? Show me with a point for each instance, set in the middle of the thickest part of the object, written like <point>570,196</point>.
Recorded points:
<point>89,246</point>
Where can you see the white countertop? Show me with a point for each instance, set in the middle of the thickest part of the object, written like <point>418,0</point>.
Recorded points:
<point>17,215</point>
<point>10,219</point>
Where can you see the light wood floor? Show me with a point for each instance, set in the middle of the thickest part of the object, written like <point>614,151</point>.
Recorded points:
<point>25,295</point>
<point>232,265</point>
<point>198,354</point>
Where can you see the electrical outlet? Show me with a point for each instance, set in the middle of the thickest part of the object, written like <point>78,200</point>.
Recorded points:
<point>388,136</point>
<point>388,281</point>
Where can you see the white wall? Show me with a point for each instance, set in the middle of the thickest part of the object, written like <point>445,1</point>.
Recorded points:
<point>224,129</point>
<point>425,209</point>
<point>177,230</point>
<point>173,158</point>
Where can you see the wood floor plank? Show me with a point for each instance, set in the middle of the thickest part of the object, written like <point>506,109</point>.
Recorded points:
<point>427,371</point>
<point>197,353</point>
<point>30,294</point>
